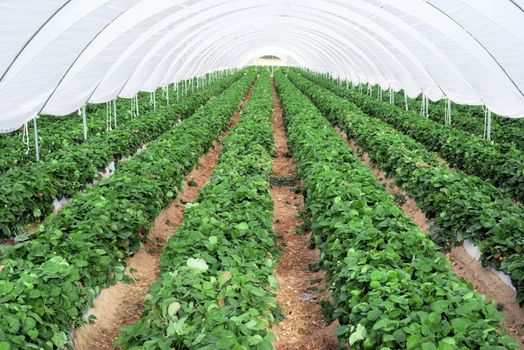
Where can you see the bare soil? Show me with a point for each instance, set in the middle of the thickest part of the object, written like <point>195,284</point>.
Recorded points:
<point>304,326</point>
<point>122,304</point>
<point>483,280</point>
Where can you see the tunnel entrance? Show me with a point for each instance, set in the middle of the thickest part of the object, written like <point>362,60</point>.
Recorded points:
<point>270,60</point>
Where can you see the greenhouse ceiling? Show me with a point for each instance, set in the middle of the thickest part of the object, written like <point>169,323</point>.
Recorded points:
<point>57,55</point>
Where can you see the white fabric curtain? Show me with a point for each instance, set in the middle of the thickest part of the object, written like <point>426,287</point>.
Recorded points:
<point>56,55</point>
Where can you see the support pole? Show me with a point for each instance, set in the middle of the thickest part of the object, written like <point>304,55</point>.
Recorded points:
<point>25,138</point>
<point>114,111</point>
<point>37,147</point>
<point>154,100</point>
<point>84,121</point>
<point>406,100</point>
<point>487,124</point>
<point>422,106</point>
<point>447,112</point>
<point>136,105</point>
<point>108,116</point>
<point>427,106</point>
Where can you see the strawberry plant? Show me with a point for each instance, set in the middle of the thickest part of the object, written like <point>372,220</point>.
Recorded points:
<point>502,165</point>
<point>504,131</point>
<point>392,288</point>
<point>27,192</point>
<point>58,133</point>
<point>462,206</point>
<point>48,281</point>
<point>215,287</point>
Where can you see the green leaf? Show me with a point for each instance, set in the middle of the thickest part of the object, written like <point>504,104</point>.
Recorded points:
<point>213,240</point>
<point>413,342</point>
<point>243,226</point>
<point>224,277</point>
<point>198,265</point>
<point>358,335</point>
<point>33,333</point>
<point>37,213</point>
<point>400,336</point>
<point>171,330</point>
<point>173,308</point>
<point>381,323</point>
<point>59,339</point>
<point>4,345</point>
<point>447,344</point>
<point>428,346</point>
<point>341,330</point>
<point>272,282</point>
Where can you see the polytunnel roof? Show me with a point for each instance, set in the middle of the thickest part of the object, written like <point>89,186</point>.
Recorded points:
<point>56,55</point>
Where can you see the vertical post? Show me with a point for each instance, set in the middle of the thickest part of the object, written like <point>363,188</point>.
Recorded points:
<point>487,124</point>
<point>427,106</point>
<point>136,104</point>
<point>167,94</point>
<point>406,100</point>
<point>108,116</point>
<point>449,111</point>
<point>114,111</point>
<point>154,100</point>
<point>177,89</point>
<point>25,137</point>
<point>37,147</point>
<point>84,121</point>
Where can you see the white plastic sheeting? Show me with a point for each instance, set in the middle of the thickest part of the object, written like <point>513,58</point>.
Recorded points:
<point>56,55</point>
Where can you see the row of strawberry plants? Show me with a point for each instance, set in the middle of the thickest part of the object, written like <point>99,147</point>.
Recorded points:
<point>48,282</point>
<point>58,133</point>
<point>391,286</point>
<point>471,120</point>
<point>215,287</point>
<point>462,206</point>
<point>507,132</point>
<point>502,165</point>
<point>27,192</point>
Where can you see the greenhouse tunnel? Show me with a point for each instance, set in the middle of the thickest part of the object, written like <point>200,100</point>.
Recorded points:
<point>365,155</point>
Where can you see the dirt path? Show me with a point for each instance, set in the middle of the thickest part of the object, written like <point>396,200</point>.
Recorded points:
<point>483,280</point>
<point>304,326</point>
<point>122,304</point>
